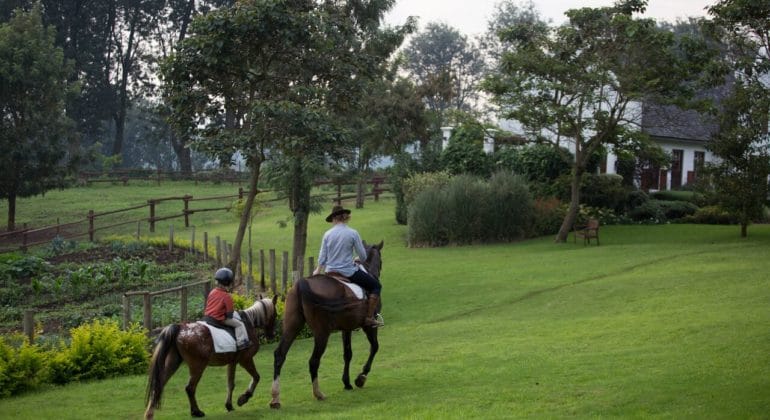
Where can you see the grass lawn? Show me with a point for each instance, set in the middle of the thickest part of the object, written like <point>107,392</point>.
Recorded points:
<point>658,322</point>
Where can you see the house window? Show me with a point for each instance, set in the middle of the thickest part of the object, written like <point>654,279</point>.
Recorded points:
<point>676,168</point>
<point>698,161</point>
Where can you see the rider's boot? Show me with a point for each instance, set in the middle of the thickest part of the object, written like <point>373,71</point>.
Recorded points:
<point>370,320</point>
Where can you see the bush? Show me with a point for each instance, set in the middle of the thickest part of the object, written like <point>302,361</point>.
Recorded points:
<point>648,212</point>
<point>712,215</point>
<point>604,191</point>
<point>537,162</point>
<point>22,367</point>
<point>101,350</point>
<point>511,211</point>
<point>428,223</point>
<point>465,158</point>
<point>549,215</point>
<point>659,211</point>
<point>469,210</point>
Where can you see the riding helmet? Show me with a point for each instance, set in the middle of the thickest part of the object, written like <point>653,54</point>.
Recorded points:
<point>224,276</point>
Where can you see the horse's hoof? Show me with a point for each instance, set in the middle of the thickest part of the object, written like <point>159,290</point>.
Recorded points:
<point>320,397</point>
<point>348,387</point>
<point>243,399</point>
<point>229,407</point>
<point>361,380</point>
<point>198,413</point>
<point>275,405</point>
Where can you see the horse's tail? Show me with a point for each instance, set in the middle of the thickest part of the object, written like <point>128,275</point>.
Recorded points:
<point>333,305</point>
<point>165,347</point>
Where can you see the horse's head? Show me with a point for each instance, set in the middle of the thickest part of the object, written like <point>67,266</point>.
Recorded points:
<point>272,314</point>
<point>373,263</point>
<point>263,314</point>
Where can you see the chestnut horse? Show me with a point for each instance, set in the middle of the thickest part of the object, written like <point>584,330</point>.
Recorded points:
<point>326,305</point>
<point>192,343</point>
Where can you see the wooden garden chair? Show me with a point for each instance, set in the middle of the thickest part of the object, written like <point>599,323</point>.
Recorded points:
<point>587,232</point>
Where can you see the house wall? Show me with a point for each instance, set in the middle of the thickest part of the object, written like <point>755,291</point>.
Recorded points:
<point>689,149</point>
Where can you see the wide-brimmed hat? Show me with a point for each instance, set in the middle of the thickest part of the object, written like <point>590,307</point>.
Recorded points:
<point>336,211</point>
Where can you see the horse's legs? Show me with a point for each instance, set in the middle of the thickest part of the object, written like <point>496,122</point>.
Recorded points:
<point>292,323</point>
<point>374,345</point>
<point>248,364</point>
<point>321,339</point>
<point>347,352</point>
<point>230,386</point>
<point>195,376</point>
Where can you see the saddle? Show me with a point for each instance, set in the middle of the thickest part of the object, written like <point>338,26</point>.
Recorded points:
<point>222,335</point>
<point>358,291</point>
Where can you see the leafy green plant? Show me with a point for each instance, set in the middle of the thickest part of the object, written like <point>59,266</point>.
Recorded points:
<point>101,350</point>
<point>22,366</point>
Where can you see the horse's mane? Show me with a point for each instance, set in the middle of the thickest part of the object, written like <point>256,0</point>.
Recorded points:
<point>259,313</point>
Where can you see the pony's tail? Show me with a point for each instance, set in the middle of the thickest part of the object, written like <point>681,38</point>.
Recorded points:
<point>331,305</point>
<point>166,345</point>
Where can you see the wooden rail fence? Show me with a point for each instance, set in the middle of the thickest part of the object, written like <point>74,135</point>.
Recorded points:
<point>25,238</point>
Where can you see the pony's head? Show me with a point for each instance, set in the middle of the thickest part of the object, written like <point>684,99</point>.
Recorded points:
<point>263,314</point>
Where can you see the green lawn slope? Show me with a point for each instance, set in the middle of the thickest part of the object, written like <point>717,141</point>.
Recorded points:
<point>658,322</point>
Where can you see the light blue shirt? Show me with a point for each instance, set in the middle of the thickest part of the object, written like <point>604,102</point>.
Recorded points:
<point>337,247</point>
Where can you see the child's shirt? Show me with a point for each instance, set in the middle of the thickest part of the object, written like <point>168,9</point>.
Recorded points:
<point>218,304</point>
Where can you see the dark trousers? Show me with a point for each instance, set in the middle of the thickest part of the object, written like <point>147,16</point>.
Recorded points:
<point>365,280</point>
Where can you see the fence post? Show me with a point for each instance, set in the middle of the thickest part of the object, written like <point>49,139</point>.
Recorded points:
<point>219,252</point>
<point>29,324</point>
<point>186,199</point>
<point>152,215</point>
<point>250,277</point>
<point>170,237</point>
<point>148,311</point>
<point>273,285</point>
<point>262,270</point>
<point>240,193</point>
<point>192,241</point>
<point>183,304</point>
<point>205,246</point>
<point>91,225</point>
<point>138,229</point>
<point>284,271</point>
<point>126,311</point>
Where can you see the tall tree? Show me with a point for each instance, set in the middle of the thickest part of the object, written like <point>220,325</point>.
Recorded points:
<point>33,128</point>
<point>579,82</point>
<point>132,23</point>
<point>175,22</point>
<point>446,66</point>
<point>740,175</point>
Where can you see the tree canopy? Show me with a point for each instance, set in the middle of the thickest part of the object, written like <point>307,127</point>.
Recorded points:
<point>578,84</point>
<point>34,130</point>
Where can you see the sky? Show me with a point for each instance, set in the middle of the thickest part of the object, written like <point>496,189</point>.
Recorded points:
<point>470,16</point>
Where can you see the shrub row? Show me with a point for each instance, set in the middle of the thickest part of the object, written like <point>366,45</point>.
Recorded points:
<point>97,350</point>
<point>468,209</point>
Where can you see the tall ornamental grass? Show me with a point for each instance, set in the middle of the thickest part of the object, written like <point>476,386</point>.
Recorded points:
<point>471,210</point>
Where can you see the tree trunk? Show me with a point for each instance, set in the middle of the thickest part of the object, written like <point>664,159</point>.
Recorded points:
<point>300,207</point>
<point>360,191</point>
<point>120,115</point>
<point>182,154</point>
<point>11,212</point>
<point>574,205</point>
<point>744,229</point>
<point>235,258</point>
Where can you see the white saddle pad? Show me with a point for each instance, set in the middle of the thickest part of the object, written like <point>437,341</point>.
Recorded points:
<point>356,289</point>
<point>223,341</point>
